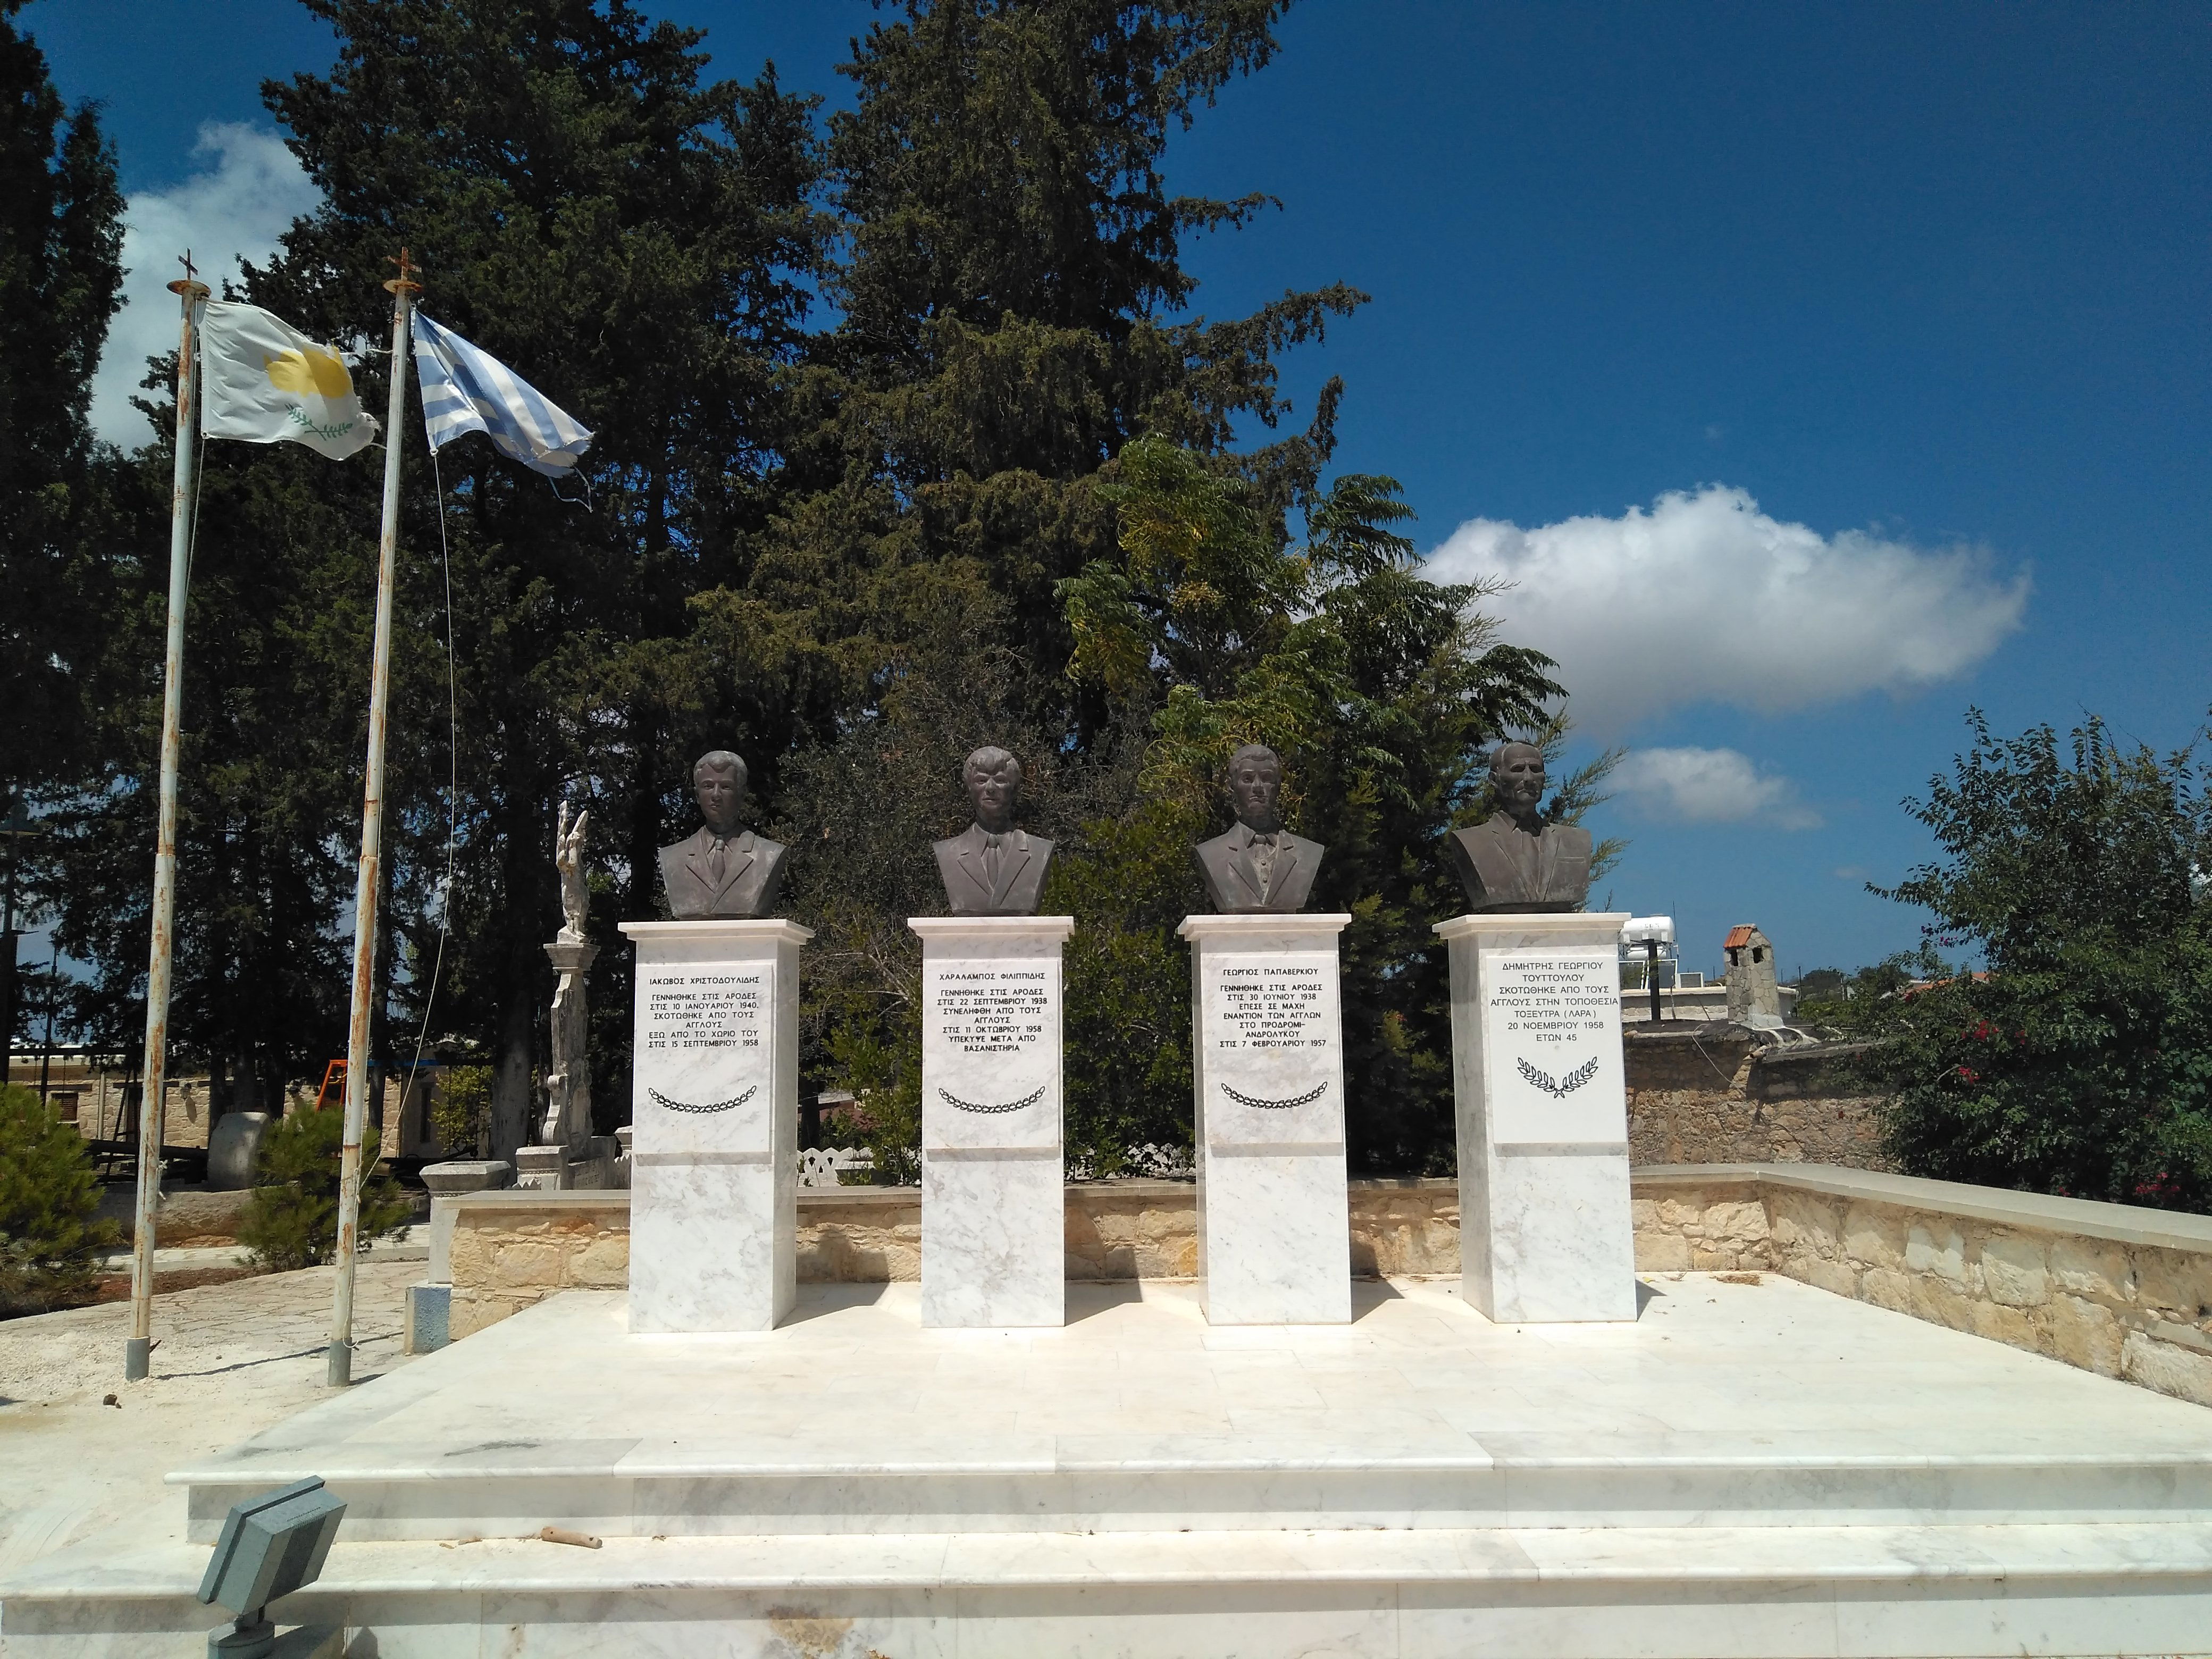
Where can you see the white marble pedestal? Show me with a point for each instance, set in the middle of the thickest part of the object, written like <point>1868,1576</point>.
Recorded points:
<point>714,1116</point>
<point>1545,1227</point>
<point>1274,1233</point>
<point>994,1200</point>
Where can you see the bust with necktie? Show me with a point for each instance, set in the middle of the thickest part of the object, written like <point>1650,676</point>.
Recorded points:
<point>1259,866</point>
<point>1513,861</point>
<point>721,870</point>
<point>991,868</point>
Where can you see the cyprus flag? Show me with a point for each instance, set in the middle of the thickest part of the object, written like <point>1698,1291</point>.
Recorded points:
<point>263,380</point>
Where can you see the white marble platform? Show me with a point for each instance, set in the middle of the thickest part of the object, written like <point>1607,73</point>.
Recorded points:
<point>1760,1469</point>
<point>1546,1231</point>
<point>714,1115</point>
<point>1274,1227</point>
<point>994,1179</point>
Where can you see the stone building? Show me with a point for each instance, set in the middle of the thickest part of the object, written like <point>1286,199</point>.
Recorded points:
<point>1754,997</point>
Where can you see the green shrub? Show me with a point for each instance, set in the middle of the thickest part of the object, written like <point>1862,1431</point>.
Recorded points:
<point>292,1219</point>
<point>460,1110</point>
<point>51,1234</point>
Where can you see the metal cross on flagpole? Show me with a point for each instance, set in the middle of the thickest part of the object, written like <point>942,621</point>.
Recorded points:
<point>339,1372</point>
<point>138,1350</point>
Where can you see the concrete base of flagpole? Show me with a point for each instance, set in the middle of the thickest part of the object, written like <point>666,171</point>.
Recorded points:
<point>138,1358</point>
<point>339,1372</point>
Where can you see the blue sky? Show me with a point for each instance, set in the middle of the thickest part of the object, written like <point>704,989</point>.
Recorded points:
<point>1926,282</point>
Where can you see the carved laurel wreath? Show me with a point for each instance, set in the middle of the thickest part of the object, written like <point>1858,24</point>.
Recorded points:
<point>1029,1099</point>
<point>1310,1095</point>
<point>1565,1085</point>
<point>716,1106</point>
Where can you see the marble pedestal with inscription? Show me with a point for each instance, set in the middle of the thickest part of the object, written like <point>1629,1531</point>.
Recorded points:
<point>713,1241</point>
<point>994,1196</point>
<point>1275,1232</point>
<point>1545,1227</point>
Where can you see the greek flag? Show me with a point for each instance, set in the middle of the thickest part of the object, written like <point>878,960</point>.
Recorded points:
<point>467,390</point>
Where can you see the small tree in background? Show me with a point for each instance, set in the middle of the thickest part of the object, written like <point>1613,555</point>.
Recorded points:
<point>2081,1062</point>
<point>292,1219</point>
<point>51,1234</point>
<point>460,1110</point>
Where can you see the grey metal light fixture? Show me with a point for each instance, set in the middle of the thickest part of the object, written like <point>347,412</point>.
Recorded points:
<point>271,1545</point>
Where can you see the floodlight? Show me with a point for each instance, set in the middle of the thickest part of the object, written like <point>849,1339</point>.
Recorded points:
<point>271,1545</point>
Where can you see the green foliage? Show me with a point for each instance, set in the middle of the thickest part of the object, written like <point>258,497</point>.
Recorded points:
<point>1378,688</point>
<point>61,242</point>
<point>460,1110</point>
<point>2080,1061</point>
<point>51,1234</point>
<point>292,1219</point>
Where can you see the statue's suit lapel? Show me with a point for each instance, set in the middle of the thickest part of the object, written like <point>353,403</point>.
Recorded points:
<point>1011,859</point>
<point>736,862</point>
<point>971,863</point>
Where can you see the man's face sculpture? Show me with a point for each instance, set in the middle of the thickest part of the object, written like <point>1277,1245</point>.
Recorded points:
<point>1518,779</point>
<point>995,784</point>
<point>721,795</point>
<point>1255,781</point>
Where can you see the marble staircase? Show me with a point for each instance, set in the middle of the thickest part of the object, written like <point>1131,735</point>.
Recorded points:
<point>1751,1467</point>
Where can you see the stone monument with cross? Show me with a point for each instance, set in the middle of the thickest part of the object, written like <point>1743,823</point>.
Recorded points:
<point>1545,1226</point>
<point>994,1197</point>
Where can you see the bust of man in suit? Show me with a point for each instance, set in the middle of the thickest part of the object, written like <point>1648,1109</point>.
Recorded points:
<point>1513,861</point>
<point>991,868</point>
<point>721,870</point>
<point>1258,866</point>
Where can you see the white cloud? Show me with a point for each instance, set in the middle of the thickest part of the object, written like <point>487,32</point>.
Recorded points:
<point>1705,599</point>
<point>1709,786</point>
<point>236,208</point>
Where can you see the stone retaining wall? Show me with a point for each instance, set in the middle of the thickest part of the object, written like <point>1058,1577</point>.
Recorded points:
<point>1709,1093</point>
<point>2111,1288</point>
<point>2114,1289</point>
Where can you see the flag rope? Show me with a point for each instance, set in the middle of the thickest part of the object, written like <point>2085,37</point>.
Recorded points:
<point>452,776</point>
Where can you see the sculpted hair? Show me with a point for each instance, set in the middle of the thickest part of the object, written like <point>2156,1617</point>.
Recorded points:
<point>1497,755</point>
<point>988,759</point>
<point>1258,751</point>
<point>721,760</point>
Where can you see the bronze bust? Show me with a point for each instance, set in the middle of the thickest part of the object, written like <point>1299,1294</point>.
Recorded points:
<point>1258,866</point>
<point>721,870</point>
<point>1513,860</point>
<point>991,868</point>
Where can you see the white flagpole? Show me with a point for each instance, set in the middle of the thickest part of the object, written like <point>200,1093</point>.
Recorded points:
<point>340,1370</point>
<point>138,1349</point>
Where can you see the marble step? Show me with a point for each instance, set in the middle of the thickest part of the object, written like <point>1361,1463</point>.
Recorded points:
<point>1896,1591</point>
<point>626,1491</point>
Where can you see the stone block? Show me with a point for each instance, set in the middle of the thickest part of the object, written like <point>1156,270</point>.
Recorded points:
<point>1874,1236</point>
<point>1681,1212</point>
<point>2083,1267</point>
<point>1804,1223</point>
<point>1662,1252</point>
<point>1933,1247</point>
<point>2086,1334</point>
<point>2013,1272</point>
<point>2177,1285</point>
<point>1644,1214</point>
<point>1935,1300</point>
<point>603,1263</point>
<point>532,1261</point>
<point>1735,1225</point>
<point>2014,1327</point>
<point>1705,1259</point>
<point>1886,1287</point>
<point>2170,1369</point>
<point>1839,1278</point>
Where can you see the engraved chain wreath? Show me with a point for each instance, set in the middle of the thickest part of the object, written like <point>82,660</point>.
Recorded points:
<point>1029,1099</point>
<point>1307,1098</point>
<point>715,1106</point>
